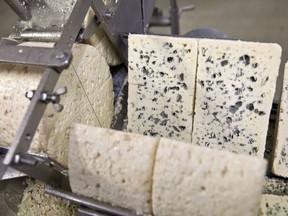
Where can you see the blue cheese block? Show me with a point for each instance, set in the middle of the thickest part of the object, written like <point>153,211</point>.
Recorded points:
<point>89,92</point>
<point>112,166</point>
<point>192,180</point>
<point>280,160</point>
<point>161,80</point>
<point>273,205</point>
<point>235,87</point>
<point>275,186</point>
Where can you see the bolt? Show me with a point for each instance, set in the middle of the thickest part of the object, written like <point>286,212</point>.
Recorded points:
<point>60,56</point>
<point>108,14</point>
<point>17,158</point>
<point>44,97</point>
<point>30,94</point>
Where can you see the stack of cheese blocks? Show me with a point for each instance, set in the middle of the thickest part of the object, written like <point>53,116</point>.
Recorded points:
<point>212,93</point>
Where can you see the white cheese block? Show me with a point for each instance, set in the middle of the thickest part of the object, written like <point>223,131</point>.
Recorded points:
<point>89,85</point>
<point>273,205</point>
<point>161,80</point>
<point>280,159</point>
<point>191,180</point>
<point>112,166</point>
<point>235,87</point>
<point>101,41</point>
<point>36,202</point>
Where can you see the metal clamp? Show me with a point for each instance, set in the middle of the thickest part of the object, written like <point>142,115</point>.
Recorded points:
<point>53,98</point>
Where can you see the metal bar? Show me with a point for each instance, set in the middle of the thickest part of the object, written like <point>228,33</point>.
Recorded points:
<point>21,8</point>
<point>82,211</point>
<point>148,8</point>
<point>44,36</point>
<point>174,16</point>
<point>118,26</point>
<point>42,168</point>
<point>26,131</point>
<point>73,25</point>
<point>41,56</point>
<point>91,28</point>
<point>90,203</point>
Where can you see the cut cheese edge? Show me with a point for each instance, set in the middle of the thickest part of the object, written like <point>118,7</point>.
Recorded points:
<point>101,41</point>
<point>86,83</point>
<point>280,160</point>
<point>161,80</point>
<point>273,205</point>
<point>191,180</point>
<point>235,87</point>
<point>112,166</point>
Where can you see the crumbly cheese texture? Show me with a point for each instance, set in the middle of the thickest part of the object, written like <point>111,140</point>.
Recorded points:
<point>112,166</point>
<point>234,92</point>
<point>101,41</point>
<point>273,205</point>
<point>161,80</point>
<point>90,89</point>
<point>275,186</point>
<point>280,160</point>
<point>192,180</point>
<point>36,202</point>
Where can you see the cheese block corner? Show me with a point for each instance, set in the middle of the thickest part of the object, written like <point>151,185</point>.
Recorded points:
<point>112,166</point>
<point>192,180</point>
<point>273,205</point>
<point>161,81</point>
<point>235,86</point>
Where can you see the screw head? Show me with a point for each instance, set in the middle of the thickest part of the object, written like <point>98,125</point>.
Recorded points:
<point>17,158</point>
<point>29,94</point>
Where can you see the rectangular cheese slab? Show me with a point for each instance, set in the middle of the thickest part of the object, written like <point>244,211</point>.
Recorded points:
<point>161,80</point>
<point>234,92</point>
<point>112,166</point>
<point>273,205</point>
<point>192,180</point>
<point>280,160</point>
<point>89,86</point>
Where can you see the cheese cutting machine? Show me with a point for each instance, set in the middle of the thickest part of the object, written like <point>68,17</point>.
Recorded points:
<point>119,19</point>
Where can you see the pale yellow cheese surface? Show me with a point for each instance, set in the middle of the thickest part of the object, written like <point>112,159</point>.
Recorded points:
<point>112,166</point>
<point>89,86</point>
<point>192,180</point>
<point>273,205</point>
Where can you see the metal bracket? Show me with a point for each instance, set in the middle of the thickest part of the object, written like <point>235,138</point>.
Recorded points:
<point>175,12</point>
<point>92,206</point>
<point>33,115</point>
<point>117,27</point>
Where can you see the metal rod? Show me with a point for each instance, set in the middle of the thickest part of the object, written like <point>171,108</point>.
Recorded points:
<point>174,16</point>
<point>43,36</point>
<point>73,25</point>
<point>21,8</point>
<point>90,203</point>
<point>40,56</point>
<point>82,211</point>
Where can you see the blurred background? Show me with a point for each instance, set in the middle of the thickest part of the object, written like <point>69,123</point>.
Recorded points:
<point>252,20</point>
